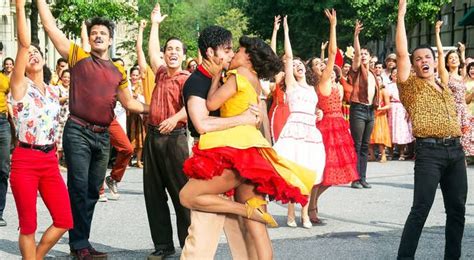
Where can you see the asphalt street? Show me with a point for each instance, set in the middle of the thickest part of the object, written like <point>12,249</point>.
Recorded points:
<point>358,224</point>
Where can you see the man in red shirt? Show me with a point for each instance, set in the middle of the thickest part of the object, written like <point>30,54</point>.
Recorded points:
<point>165,147</point>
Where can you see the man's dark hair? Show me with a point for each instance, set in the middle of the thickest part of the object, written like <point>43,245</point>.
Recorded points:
<point>100,21</point>
<point>379,63</point>
<point>419,47</point>
<point>264,61</point>
<point>1,46</point>
<point>213,37</point>
<point>367,48</point>
<point>61,60</point>
<point>185,48</point>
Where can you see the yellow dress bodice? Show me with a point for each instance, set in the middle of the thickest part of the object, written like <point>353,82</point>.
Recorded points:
<point>243,136</point>
<point>247,136</point>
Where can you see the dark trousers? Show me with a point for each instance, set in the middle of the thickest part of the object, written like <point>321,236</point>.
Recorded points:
<point>361,121</point>
<point>87,154</point>
<point>164,156</point>
<point>5,141</point>
<point>437,164</point>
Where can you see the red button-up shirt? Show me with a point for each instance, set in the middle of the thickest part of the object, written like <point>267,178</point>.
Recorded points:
<point>167,97</point>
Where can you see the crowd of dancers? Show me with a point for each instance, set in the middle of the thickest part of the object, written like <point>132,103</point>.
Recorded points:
<point>326,119</point>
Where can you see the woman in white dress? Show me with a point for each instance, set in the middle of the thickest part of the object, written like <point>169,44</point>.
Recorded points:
<point>300,141</point>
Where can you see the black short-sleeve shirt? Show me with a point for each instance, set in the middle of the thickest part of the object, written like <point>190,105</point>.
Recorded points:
<point>198,85</point>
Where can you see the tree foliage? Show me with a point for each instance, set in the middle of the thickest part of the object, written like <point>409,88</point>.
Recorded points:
<point>309,27</point>
<point>71,13</point>
<point>187,17</point>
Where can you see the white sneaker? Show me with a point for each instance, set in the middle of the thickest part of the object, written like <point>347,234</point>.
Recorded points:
<point>103,198</point>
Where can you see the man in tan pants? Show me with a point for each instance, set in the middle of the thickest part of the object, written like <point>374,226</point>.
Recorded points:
<point>215,45</point>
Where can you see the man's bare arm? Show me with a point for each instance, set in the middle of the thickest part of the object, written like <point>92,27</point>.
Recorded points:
<point>203,123</point>
<point>130,103</point>
<point>403,58</point>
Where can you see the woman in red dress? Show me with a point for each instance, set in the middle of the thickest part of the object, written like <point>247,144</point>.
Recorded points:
<point>279,111</point>
<point>341,158</point>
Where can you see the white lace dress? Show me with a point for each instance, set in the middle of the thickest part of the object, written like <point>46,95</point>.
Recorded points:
<point>300,141</point>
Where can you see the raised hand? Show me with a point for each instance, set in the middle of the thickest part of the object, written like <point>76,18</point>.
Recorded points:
<point>438,27</point>
<point>285,22</point>
<point>358,27</point>
<point>324,45</point>
<point>461,47</point>
<point>156,16</point>
<point>276,23</point>
<point>213,68</point>
<point>331,15</point>
<point>143,24</point>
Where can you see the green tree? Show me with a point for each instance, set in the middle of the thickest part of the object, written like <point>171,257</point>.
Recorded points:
<point>187,17</point>
<point>235,21</point>
<point>71,13</point>
<point>309,27</point>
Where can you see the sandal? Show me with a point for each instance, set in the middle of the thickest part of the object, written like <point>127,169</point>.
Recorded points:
<point>314,220</point>
<point>254,206</point>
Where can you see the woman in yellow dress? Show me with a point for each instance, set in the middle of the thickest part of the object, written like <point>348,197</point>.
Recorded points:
<point>256,168</point>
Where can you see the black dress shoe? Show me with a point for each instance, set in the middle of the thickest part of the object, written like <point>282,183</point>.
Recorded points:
<point>3,223</point>
<point>161,253</point>
<point>356,185</point>
<point>365,185</point>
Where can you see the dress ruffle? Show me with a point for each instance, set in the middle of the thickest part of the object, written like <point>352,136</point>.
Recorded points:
<point>250,164</point>
<point>341,158</point>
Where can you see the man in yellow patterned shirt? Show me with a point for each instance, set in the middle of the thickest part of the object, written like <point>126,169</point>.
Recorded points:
<point>439,155</point>
<point>5,140</point>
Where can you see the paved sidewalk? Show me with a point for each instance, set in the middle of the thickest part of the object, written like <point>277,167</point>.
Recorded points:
<point>359,224</point>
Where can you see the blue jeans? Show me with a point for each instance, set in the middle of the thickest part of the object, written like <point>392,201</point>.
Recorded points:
<point>361,121</point>
<point>5,142</point>
<point>444,165</point>
<point>87,154</point>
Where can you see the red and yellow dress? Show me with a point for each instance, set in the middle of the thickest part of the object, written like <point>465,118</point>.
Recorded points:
<point>244,149</point>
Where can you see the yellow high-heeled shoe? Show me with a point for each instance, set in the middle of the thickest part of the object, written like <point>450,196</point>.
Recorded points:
<point>254,206</point>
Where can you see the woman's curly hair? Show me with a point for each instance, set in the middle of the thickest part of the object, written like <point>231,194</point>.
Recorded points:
<point>264,61</point>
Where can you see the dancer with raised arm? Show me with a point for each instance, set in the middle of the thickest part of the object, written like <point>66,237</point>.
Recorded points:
<point>341,159</point>
<point>34,162</point>
<point>300,141</point>
<point>440,158</point>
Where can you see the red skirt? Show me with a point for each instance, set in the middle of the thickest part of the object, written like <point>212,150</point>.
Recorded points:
<point>250,164</point>
<point>341,158</point>
<point>278,116</point>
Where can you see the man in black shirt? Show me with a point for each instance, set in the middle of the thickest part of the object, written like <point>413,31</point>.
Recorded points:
<point>215,45</point>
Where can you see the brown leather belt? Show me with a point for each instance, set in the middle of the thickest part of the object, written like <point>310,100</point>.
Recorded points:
<point>85,124</point>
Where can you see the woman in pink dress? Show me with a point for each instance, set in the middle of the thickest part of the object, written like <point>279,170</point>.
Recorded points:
<point>454,65</point>
<point>398,120</point>
<point>341,159</point>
